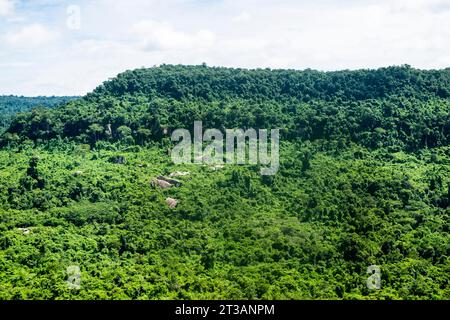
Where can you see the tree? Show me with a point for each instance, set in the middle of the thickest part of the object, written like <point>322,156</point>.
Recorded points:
<point>95,131</point>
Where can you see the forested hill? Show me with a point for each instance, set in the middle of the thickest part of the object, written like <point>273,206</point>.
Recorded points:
<point>363,182</point>
<point>224,83</point>
<point>11,105</point>
<point>400,108</point>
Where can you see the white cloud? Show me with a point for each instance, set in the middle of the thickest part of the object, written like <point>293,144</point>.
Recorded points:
<point>418,5</point>
<point>155,35</point>
<point>242,17</point>
<point>6,7</point>
<point>30,36</point>
<point>120,35</point>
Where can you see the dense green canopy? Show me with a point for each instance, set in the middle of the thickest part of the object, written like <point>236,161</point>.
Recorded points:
<point>364,180</point>
<point>398,107</point>
<point>11,105</point>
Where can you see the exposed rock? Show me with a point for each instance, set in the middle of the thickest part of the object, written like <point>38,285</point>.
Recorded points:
<point>179,174</point>
<point>172,203</point>
<point>160,183</point>
<point>174,182</point>
<point>164,182</point>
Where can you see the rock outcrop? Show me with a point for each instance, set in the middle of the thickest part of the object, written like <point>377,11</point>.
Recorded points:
<point>171,202</point>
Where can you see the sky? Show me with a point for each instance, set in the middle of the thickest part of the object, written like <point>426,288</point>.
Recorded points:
<point>59,47</point>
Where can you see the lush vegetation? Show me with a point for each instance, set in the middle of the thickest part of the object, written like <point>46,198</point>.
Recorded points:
<point>364,180</point>
<point>11,105</point>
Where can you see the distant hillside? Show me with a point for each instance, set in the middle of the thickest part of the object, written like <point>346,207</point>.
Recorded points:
<point>397,107</point>
<point>212,83</point>
<point>11,105</point>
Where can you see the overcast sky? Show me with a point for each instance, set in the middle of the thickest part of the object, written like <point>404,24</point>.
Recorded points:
<point>58,47</point>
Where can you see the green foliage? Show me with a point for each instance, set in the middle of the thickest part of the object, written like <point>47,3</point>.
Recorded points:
<point>11,105</point>
<point>364,180</point>
<point>399,108</point>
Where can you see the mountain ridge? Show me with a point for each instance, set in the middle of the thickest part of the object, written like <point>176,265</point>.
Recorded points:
<point>387,107</point>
